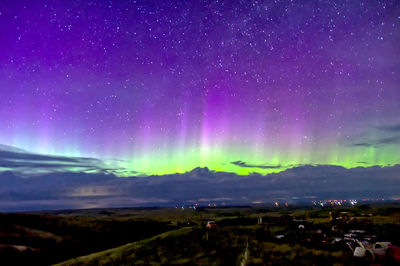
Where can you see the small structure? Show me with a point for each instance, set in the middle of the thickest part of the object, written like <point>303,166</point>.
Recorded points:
<point>211,225</point>
<point>361,252</point>
<point>340,218</point>
<point>380,249</point>
<point>303,224</point>
<point>362,249</point>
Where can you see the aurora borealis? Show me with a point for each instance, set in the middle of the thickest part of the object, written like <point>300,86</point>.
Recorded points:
<point>159,87</point>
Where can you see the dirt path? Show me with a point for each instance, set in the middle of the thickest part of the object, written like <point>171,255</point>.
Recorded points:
<point>245,255</point>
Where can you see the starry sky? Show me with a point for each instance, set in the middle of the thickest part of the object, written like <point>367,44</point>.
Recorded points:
<point>159,87</point>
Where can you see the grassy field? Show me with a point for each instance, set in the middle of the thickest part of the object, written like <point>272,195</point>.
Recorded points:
<point>130,253</point>
<point>46,239</point>
<point>192,246</point>
<point>179,237</point>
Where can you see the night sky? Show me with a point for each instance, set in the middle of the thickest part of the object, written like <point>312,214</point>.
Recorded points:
<point>159,87</point>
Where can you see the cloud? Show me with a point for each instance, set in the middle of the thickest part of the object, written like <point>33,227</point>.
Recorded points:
<point>26,163</point>
<point>388,140</point>
<point>363,144</point>
<point>244,164</point>
<point>380,141</point>
<point>383,135</point>
<point>32,181</point>
<point>102,190</point>
<point>395,128</point>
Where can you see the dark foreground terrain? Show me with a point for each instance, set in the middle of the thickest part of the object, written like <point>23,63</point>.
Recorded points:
<point>239,236</point>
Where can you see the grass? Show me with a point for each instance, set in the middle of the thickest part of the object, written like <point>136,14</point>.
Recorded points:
<point>128,252</point>
<point>188,246</point>
<point>269,253</point>
<point>162,236</point>
<point>185,246</point>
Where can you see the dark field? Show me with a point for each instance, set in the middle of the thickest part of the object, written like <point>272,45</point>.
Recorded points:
<point>283,236</point>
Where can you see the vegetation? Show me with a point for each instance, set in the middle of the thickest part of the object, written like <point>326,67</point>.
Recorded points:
<point>176,236</point>
<point>46,239</point>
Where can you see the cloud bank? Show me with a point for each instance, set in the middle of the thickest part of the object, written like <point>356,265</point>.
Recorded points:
<point>52,185</point>
<point>27,164</point>
<point>244,164</point>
